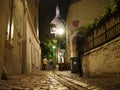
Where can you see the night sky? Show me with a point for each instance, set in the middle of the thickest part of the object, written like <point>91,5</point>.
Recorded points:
<point>50,6</point>
<point>47,12</point>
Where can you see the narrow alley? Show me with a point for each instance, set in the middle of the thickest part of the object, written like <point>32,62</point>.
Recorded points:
<point>59,44</point>
<point>58,80</point>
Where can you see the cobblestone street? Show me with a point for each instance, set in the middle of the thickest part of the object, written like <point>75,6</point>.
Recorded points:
<point>60,45</point>
<point>44,81</point>
<point>95,83</point>
<point>36,81</point>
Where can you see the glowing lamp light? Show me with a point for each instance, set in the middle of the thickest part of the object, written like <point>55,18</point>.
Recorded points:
<point>60,31</point>
<point>54,47</point>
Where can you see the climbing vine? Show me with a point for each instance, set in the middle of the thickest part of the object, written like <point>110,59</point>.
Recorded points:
<point>108,11</point>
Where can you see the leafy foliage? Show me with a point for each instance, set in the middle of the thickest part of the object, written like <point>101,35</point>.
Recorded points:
<point>108,11</point>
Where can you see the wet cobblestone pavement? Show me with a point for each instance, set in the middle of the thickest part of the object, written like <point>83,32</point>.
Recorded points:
<point>101,83</point>
<point>36,81</point>
<point>43,81</point>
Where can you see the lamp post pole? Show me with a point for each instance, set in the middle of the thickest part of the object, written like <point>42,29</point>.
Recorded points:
<point>53,55</point>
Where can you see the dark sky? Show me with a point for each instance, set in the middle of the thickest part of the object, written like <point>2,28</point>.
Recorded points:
<point>50,6</point>
<point>47,12</point>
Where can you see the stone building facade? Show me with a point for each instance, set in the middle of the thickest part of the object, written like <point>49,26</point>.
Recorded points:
<point>20,50</point>
<point>84,12</point>
<point>103,60</point>
<point>99,61</point>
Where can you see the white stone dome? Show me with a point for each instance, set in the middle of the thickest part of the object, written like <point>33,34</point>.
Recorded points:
<point>58,21</point>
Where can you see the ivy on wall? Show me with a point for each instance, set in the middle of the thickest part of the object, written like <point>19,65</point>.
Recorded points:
<point>108,12</point>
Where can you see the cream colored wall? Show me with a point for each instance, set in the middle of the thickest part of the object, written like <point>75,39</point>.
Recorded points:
<point>84,11</point>
<point>4,7</point>
<point>103,60</point>
<point>13,49</point>
<point>13,53</point>
<point>33,8</point>
<point>33,49</point>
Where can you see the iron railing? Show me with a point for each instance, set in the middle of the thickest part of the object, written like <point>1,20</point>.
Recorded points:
<point>106,32</point>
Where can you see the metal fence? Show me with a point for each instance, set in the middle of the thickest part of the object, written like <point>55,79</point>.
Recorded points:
<point>106,32</point>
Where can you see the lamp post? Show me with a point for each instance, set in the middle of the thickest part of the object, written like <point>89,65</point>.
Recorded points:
<point>53,55</point>
<point>58,29</point>
<point>53,47</point>
<point>60,36</point>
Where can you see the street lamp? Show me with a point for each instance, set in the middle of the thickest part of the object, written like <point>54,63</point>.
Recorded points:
<point>54,47</point>
<point>54,55</point>
<point>60,31</point>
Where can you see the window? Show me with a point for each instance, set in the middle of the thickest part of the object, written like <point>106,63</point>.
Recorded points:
<point>10,30</point>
